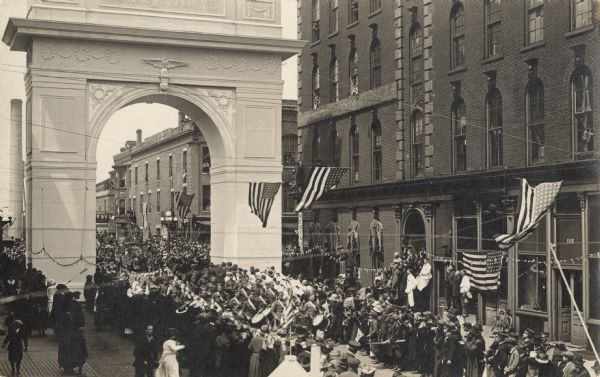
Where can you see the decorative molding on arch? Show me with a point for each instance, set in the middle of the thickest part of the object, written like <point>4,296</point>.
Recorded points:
<point>104,99</point>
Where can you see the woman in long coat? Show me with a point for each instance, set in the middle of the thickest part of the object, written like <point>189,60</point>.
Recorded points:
<point>255,347</point>
<point>168,366</point>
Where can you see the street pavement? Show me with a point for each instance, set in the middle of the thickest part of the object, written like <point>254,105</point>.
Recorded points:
<point>111,355</point>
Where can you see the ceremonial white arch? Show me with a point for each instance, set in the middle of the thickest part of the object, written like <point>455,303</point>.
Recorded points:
<point>87,60</point>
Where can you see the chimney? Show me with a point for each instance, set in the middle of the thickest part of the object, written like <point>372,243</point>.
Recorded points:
<point>139,136</point>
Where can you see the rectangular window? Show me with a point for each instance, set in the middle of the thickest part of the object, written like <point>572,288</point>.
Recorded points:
<point>493,222</point>
<point>536,242</point>
<point>171,166</point>
<point>172,201</point>
<point>352,11</point>
<point>142,204</point>
<point>129,177</point>
<point>206,198</point>
<point>582,13</point>
<point>316,19</point>
<point>121,210</point>
<point>535,21</point>
<point>184,160</point>
<point>205,160</point>
<point>333,16</point>
<point>374,5</point>
<point>158,201</point>
<point>146,175</point>
<point>136,175</point>
<point>158,170</point>
<point>377,166</point>
<point>134,205</point>
<point>149,205</point>
<point>466,233</point>
<point>418,146</point>
<point>493,28</point>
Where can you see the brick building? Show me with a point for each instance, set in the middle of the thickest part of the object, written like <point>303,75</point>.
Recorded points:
<point>152,170</point>
<point>473,95</point>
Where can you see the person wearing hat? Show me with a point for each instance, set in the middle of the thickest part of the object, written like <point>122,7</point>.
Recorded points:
<point>540,366</point>
<point>474,350</point>
<point>500,357</point>
<point>451,354</point>
<point>145,353</point>
<point>16,343</point>
<point>168,366</point>
<point>352,368</point>
<point>514,356</point>
<point>566,367</point>
<point>255,346</point>
<point>304,360</point>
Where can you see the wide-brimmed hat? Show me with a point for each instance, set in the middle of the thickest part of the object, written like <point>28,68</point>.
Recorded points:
<point>353,346</point>
<point>541,358</point>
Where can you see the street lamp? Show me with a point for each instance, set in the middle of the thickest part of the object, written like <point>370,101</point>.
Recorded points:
<point>6,218</point>
<point>169,221</point>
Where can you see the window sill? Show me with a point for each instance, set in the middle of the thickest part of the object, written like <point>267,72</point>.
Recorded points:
<point>335,33</point>
<point>315,43</point>
<point>378,11</point>
<point>582,30</point>
<point>492,59</point>
<point>352,25</point>
<point>531,313</point>
<point>534,46</point>
<point>456,70</point>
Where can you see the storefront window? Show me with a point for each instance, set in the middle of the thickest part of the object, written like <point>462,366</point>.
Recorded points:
<point>568,229</point>
<point>492,223</point>
<point>536,242</point>
<point>593,250</point>
<point>532,282</point>
<point>466,233</point>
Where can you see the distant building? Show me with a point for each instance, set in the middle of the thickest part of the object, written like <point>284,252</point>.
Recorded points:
<point>106,206</point>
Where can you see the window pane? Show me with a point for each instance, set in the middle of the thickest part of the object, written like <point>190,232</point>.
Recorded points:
<point>568,239</point>
<point>532,282</point>
<point>536,242</point>
<point>494,40</point>
<point>466,233</point>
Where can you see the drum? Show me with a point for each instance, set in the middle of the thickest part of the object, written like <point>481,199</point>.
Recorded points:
<point>320,322</point>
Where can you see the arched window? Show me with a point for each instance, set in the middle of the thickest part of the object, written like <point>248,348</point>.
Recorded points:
<point>334,78</point>
<point>375,63</point>
<point>316,148</point>
<point>459,134</point>
<point>582,12</point>
<point>583,123</point>
<point>493,107</point>
<point>353,71</point>
<point>418,144</point>
<point>457,33</point>
<point>416,54</point>
<point>334,146</point>
<point>535,120</point>
<point>316,85</point>
<point>376,149</point>
<point>354,153</point>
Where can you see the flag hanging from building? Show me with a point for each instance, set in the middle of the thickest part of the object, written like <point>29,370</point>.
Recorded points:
<point>184,203</point>
<point>535,202</point>
<point>322,179</point>
<point>483,269</point>
<point>260,199</point>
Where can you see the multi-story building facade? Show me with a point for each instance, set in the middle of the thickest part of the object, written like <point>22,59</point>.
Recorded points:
<point>482,93</point>
<point>105,203</point>
<point>154,169</point>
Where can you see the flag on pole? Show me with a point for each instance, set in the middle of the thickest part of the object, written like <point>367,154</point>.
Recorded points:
<point>535,202</point>
<point>260,199</point>
<point>483,269</point>
<point>322,179</point>
<point>184,203</point>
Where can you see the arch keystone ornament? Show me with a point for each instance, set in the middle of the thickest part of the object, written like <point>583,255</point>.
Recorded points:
<point>164,64</point>
<point>98,68</point>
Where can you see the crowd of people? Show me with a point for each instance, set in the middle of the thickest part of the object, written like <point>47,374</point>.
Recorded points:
<point>223,320</point>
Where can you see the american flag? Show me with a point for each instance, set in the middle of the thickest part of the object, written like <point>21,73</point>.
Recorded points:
<point>260,199</point>
<point>322,179</point>
<point>184,202</point>
<point>535,202</point>
<point>483,269</point>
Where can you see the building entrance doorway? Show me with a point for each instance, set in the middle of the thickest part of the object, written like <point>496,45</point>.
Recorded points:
<point>414,231</point>
<point>568,325</point>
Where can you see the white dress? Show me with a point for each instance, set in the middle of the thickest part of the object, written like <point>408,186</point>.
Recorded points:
<point>169,367</point>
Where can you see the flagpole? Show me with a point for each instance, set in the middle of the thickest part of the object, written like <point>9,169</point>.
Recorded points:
<point>562,274</point>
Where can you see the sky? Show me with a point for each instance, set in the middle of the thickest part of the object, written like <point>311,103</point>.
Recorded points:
<point>151,118</point>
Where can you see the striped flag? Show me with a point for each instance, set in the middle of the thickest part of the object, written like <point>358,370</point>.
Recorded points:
<point>483,269</point>
<point>260,199</point>
<point>184,202</point>
<point>322,179</point>
<point>535,202</point>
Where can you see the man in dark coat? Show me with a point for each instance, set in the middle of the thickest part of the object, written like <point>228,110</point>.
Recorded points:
<point>203,348</point>
<point>451,355</point>
<point>499,359</point>
<point>16,344</point>
<point>146,353</point>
